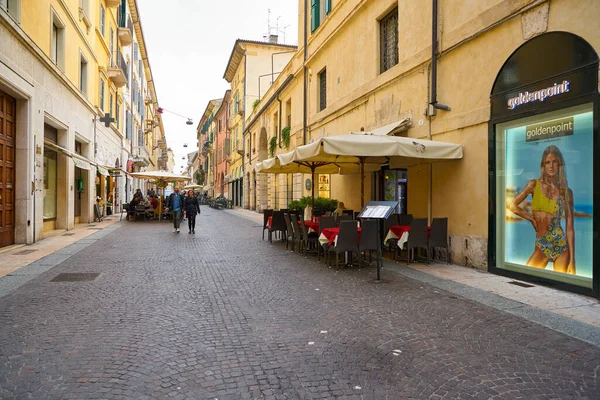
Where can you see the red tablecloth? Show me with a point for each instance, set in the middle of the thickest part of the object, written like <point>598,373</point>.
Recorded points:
<point>331,234</point>
<point>309,224</point>
<point>398,230</point>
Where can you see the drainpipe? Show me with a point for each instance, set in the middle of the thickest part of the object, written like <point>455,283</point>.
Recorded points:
<point>434,51</point>
<point>305,111</point>
<point>279,127</point>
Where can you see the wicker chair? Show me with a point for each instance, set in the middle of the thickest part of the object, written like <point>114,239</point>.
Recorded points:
<point>277,224</point>
<point>266,214</point>
<point>369,240</point>
<point>324,222</point>
<point>347,240</point>
<point>289,233</point>
<point>417,238</point>
<point>438,237</point>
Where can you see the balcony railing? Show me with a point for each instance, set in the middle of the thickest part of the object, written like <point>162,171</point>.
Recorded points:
<point>125,31</point>
<point>117,71</point>
<point>141,156</point>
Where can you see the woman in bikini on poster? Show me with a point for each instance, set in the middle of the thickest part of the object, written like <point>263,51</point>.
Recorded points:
<point>552,200</point>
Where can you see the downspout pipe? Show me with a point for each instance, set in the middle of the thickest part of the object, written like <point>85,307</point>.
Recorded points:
<point>434,51</point>
<point>279,126</point>
<point>305,111</point>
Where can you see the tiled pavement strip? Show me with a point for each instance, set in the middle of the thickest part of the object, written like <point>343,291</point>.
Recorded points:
<point>222,314</point>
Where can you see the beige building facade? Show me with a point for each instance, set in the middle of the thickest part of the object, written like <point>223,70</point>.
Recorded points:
<point>369,63</point>
<point>251,70</point>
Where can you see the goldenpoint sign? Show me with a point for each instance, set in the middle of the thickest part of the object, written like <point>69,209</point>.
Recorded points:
<point>539,95</point>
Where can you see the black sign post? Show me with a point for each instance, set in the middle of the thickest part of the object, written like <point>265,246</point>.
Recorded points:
<point>380,211</point>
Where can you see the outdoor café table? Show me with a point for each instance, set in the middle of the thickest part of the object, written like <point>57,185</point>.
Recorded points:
<point>329,235</point>
<point>400,232</point>
<point>310,225</point>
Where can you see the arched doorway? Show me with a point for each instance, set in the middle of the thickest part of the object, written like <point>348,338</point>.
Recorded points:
<point>544,118</point>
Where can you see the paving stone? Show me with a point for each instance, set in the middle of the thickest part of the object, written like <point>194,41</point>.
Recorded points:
<point>223,314</point>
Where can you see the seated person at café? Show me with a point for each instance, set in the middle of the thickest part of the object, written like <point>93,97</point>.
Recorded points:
<point>154,202</point>
<point>340,208</point>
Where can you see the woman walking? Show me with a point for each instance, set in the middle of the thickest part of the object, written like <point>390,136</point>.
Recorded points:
<point>191,207</point>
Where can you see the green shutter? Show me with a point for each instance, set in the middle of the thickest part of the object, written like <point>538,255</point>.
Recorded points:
<point>315,18</point>
<point>327,7</point>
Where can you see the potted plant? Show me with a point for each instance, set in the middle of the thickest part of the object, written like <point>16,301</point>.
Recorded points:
<point>285,136</point>
<point>272,146</point>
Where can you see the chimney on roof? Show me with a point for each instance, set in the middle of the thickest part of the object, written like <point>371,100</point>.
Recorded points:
<point>273,38</point>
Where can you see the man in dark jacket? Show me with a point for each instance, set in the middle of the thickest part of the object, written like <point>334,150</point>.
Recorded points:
<point>175,204</point>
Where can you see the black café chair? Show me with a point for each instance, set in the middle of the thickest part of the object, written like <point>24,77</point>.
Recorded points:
<point>438,237</point>
<point>342,217</point>
<point>405,219</point>
<point>348,212</point>
<point>140,210</point>
<point>277,224</point>
<point>309,239</point>
<point>417,238</point>
<point>392,244</point>
<point>295,222</point>
<point>266,214</point>
<point>369,240</point>
<point>289,235</point>
<point>324,223</point>
<point>347,241</point>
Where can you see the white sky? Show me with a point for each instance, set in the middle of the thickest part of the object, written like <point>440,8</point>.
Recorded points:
<point>189,43</point>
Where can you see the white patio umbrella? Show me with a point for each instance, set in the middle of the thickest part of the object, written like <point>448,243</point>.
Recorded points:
<point>158,176</point>
<point>376,148</point>
<point>193,187</point>
<point>275,165</point>
<point>161,175</point>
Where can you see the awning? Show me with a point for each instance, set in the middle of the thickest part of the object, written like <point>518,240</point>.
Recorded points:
<point>117,172</point>
<point>56,147</point>
<point>103,171</point>
<point>81,164</point>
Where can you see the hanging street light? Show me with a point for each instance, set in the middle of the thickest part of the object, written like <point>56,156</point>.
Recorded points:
<point>189,121</point>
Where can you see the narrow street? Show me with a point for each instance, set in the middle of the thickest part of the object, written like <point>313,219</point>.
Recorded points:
<point>225,315</point>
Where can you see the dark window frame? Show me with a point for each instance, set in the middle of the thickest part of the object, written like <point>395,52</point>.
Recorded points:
<point>322,89</point>
<point>388,41</point>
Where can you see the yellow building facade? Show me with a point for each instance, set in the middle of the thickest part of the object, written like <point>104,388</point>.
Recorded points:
<point>65,71</point>
<point>369,63</point>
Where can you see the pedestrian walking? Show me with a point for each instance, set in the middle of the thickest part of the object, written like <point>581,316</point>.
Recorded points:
<point>191,207</point>
<point>175,204</point>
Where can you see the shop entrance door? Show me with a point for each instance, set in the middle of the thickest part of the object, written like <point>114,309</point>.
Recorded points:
<point>7,169</point>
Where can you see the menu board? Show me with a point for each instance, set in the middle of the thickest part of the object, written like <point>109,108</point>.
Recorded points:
<point>375,211</point>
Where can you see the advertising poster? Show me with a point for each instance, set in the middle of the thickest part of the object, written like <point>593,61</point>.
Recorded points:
<point>549,194</point>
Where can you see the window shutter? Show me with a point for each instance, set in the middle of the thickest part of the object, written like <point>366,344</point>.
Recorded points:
<point>315,18</point>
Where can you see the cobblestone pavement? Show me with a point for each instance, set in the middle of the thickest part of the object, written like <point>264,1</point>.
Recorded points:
<point>224,315</point>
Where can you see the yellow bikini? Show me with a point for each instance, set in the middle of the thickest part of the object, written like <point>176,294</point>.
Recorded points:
<point>541,202</point>
<point>554,242</point>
